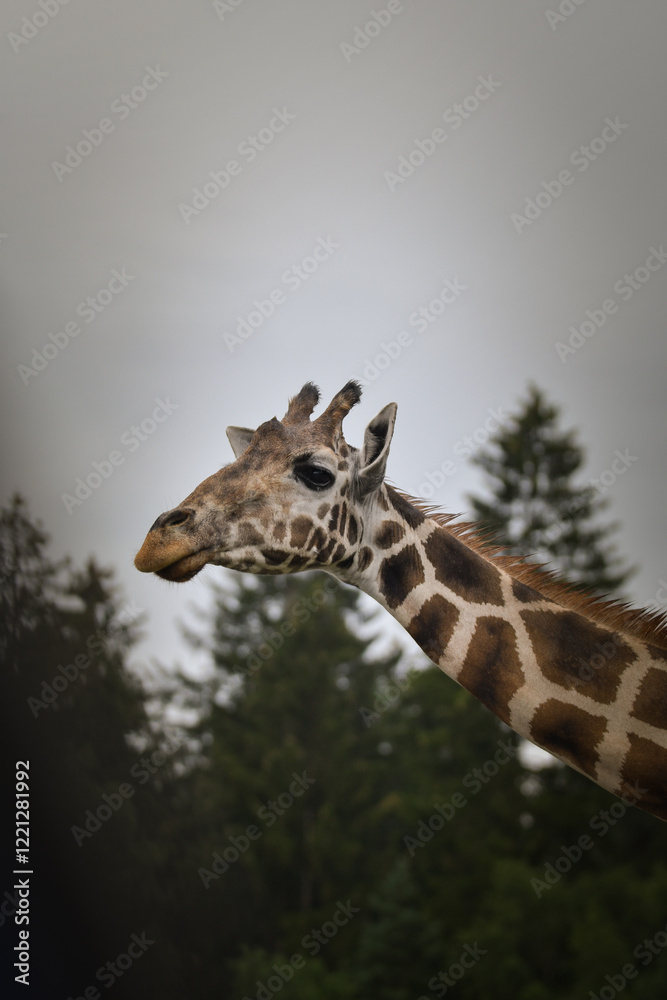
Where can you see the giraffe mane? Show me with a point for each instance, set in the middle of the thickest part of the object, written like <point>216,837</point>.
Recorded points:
<point>642,623</point>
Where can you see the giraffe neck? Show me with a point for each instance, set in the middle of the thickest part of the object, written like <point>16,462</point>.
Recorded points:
<point>593,697</point>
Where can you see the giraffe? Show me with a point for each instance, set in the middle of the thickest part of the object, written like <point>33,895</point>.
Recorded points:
<point>584,679</point>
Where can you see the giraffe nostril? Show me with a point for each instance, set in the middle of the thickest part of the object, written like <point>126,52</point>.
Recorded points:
<point>172,519</point>
<point>176,517</point>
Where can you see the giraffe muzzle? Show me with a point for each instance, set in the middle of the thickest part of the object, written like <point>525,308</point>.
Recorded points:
<point>168,553</point>
<point>184,569</point>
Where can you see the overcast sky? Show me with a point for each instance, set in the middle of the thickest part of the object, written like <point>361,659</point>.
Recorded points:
<point>433,197</point>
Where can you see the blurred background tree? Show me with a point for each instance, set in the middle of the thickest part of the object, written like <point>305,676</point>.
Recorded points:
<point>534,507</point>
<point>75,712</point>
<point>311,767</point>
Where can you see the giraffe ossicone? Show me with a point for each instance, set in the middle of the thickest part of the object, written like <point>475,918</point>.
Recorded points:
<point>582,678</point>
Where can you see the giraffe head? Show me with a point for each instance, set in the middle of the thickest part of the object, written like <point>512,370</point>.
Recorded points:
<point>294,499</point>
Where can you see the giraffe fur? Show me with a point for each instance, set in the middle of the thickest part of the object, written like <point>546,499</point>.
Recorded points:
<point>584,679</point>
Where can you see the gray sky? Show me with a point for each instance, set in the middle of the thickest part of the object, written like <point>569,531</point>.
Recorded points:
<point>465,182</point>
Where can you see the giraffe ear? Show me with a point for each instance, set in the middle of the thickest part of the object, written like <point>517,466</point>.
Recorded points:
<point>375,450</point>
<point>239,438</point>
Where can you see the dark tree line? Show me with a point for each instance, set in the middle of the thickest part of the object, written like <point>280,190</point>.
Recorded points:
<point>333,825</point>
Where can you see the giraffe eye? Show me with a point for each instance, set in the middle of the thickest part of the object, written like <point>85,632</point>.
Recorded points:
<point>315,477</point>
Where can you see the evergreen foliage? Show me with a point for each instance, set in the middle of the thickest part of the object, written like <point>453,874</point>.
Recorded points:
<point>70,708</point>
<point>396,927</point>
<point>535,508</point>
<point>331,827</point>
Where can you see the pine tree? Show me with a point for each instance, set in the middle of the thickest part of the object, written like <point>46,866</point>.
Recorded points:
<point>292,776</point>
<point>73,711</point>
<point>400,946</point>
<point>28,581</point>
<point>536,510</point>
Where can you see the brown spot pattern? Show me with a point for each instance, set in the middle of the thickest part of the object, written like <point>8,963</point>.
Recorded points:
<point>432,627</point>
<point>463,570</point>
<point>301,527</point>
<point>274,557</point>
<point>352,530</point>
<point>333,520</point>
<point>323,510</point>
<point>324,553</point>
<point>651,702</point>
<point>645,772</point>
<point>399,574</point>
<point>409,514</point>
<point>568,732</point>
<point>492,668</point>
<point>575,653</point>
<point>388,534</point>
<point>524,593</point>
<point>297,561</point>
<point>318,539</point>
<point>248,535</point>
<point>365,557</point>
<point>343,518</point>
